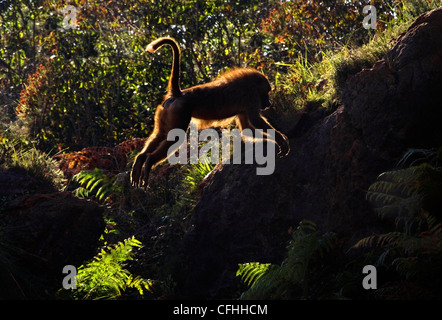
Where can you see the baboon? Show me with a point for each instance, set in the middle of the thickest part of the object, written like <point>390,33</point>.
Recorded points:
<point>239,94</point>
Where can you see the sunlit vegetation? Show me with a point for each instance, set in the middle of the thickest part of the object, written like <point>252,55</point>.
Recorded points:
<point>62,90</point>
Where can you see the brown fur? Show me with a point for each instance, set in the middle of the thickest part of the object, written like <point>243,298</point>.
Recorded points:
<point>237,95</point>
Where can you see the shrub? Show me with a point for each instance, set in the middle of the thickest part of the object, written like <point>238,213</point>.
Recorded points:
<point>105,276</point>
<point>20,155</point>
<point>290,280</point>
<point>412,252</point>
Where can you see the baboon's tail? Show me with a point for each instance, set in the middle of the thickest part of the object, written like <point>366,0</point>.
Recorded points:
<point>174,80</point>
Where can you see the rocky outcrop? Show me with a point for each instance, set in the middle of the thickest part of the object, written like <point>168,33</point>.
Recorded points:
<point>393,106</point>
<point>41,234</point>
<point>15,182</point>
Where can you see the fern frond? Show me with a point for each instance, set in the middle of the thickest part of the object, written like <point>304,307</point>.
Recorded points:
<point>365,242</point>
<point>105,278</point>
<point>390,240</point>
<point>269,281</point>
<point>198,172</point>
<point>252,271</point>
<point>406,266</point>
<point>95,183</point>
<point>396,196</point>
<point>415,157</point>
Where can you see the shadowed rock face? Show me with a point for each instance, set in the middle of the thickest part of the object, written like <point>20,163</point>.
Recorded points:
<point>387,109</point>
<point>42,233</point>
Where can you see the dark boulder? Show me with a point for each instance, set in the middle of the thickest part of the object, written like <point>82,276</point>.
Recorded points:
<point>41,233</point>
<point>242,217</point>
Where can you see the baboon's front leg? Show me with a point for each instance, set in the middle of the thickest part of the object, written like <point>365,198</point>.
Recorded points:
<point>260,122</point>
<point>144,179</point>
<point>135,175</point>
<point>139,176</point>
<point>140,171</point>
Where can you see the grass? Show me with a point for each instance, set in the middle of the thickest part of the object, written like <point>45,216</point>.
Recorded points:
<point>20,155</point>
<point>161,216</point>
<point>197,172</point>
<point>321,83</point>
<point>411,9</point>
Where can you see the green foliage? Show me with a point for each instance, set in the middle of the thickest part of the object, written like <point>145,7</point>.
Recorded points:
<point>290,279</point>
<point>414,157</point>
<point>411,9</point>
<point>20,155</point>
<point>197,172</point>
<point>350,61</point>
<point>78,99</point>
<point>252,271</point>
<point>318,72</point>
<point>320,80</point>
<point>94,85</point>
<point>96,183</point>
<point>319,26</point>
<point>105,276</point>
<point>401,195</point>
<point>412,199</point>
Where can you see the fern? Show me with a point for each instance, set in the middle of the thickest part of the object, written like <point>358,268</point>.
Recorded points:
<point>105,277</point>
<point>198,172</point>
<point>252,272</point>
<point>290,279</point>
<point>414,249</point>
<point>415,157</point>
<point>96,184</point>
<point>397,195</point>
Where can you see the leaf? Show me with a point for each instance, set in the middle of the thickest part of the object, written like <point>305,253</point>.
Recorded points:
<point>105,278</point>
<point>269,281</point>
<point>252,272</point>
<point>96,183</point>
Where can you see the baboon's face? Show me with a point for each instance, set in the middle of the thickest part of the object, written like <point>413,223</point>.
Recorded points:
<point>265,102</point>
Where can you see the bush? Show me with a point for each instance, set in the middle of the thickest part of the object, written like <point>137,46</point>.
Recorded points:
<point>290,280</point>
<point>105,276</point>
<point>412,252</point>
<point>19,155</point>
<point>77,101</point>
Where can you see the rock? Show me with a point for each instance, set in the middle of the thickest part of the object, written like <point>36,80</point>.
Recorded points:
<point>18,182</point>
<point>401,93</point>
<point>47,232</point>
<point>241,217</point>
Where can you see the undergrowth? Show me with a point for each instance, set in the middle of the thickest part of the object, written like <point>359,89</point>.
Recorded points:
<point>322,82</point>
<point>95,183</point>
<point>411,200</point>
<point>105,276</point>
<point>159,216</point>
<point>18,154</point>
<point>408,197</point>
<point>291,279</point>
<point>197,172</point>
<point>409,256</point>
